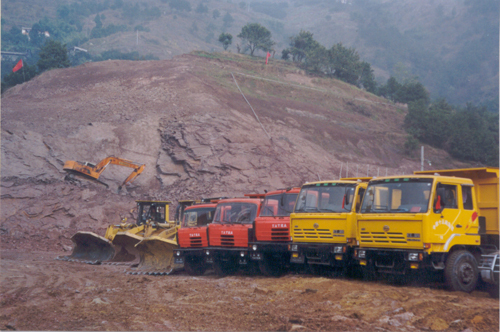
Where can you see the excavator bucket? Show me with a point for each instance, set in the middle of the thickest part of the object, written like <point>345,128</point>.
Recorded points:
<point>157,253</point>
<point>90,248</point>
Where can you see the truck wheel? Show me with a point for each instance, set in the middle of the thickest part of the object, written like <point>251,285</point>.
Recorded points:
<point>271,266</point>
<point>460,272</point>
<point>195,266</point>
<point>493,290</point>
<point>224,268</point>
<point>369,272</point>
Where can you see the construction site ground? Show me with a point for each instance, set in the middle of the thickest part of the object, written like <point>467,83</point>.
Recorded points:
<point>41,293</point>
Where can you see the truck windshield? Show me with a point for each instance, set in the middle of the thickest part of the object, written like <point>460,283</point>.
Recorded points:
<point>239,213</point>
<point>278,205</point>
<point>325,197</point>
<point>404,195</point>
<point>198,217</point>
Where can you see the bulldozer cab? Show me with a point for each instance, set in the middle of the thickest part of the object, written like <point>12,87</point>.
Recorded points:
<point>156,211</point>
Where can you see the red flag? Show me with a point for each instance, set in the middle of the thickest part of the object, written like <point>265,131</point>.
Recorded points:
<point>267,56</point>
<point>18,66</point>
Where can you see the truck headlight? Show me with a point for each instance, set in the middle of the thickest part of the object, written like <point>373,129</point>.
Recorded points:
<point>294,247</point>
<point>254,247</point>
<point>361,254</point>
<point>207,252</point>
<point>242,254</point>
<point>178,253</point>
<point>413,256</point>
<point>338,250</point>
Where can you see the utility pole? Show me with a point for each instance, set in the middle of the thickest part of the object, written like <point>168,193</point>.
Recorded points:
<point>422,158</point>
<point>137,40</point>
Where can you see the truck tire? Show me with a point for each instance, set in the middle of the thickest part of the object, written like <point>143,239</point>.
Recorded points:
<point>224,268</point>
<point>493,290</point>
<point>460,272</point>
<point>195,266</point>
<point>369,272</point>
<point>271,266</point>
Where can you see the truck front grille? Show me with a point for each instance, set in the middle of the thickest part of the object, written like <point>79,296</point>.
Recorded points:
<point>196,242</point>
<point>227,240</point>
<point>311,233</point>
<point>382,237</point>
<point>279,234</point>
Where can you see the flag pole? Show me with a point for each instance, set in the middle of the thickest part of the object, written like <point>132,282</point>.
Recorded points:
<point>24,77</point>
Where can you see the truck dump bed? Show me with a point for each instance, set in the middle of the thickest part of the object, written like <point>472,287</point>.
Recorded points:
<point>486,188</point>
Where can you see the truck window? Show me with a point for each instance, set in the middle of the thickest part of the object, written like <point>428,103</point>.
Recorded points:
<point>450,196</point>
<point>272,205</point>
<point>404,195</point>
<point>235,212</point>
<point>467,197</point>
<point>361,191</point>
<point>331,198</point>
<point>198,217</point>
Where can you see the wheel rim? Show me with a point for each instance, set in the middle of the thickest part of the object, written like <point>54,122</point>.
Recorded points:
<point>466,273</point>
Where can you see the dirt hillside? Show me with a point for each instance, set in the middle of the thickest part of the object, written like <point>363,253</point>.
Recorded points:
<point>187,121</point>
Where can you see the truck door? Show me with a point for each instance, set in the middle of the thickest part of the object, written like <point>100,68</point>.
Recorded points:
<point>449,222</point>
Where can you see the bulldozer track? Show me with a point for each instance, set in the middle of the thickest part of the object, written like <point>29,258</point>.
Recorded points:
<point>93,262</point>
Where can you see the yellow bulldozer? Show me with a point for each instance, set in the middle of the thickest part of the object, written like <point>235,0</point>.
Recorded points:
<point>118,243</point>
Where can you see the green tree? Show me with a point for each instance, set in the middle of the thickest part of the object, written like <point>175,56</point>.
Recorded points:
<point>181,5</point>
<point>256,37</point>
<point>228,20</point>
<point>201,9</point>
<point>344,63</point>
<point>53,54</point>
<point>411,91</point>
<point>215,14</point>
<point>390,89</point>
<point>316,59</point>
<point>98,22</point>
<point>226,39</point>
<point>301,45</point>
<point>367,78</point>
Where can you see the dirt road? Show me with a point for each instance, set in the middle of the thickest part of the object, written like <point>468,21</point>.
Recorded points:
<point>41,293</point>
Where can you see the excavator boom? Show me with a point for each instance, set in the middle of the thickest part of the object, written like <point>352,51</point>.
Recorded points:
<point>93,171</point>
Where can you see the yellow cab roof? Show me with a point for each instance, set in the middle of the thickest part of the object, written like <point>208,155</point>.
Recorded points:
<point>437,177</point>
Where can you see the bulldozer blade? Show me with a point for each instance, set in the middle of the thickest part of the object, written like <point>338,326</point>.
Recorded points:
<point>91,247</point>
<point>125,250</point>
<point>157,255</point>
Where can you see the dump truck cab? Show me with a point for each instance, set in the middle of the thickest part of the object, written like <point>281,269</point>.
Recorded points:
<point>193,237</point>
<point>430,221</point>
<point>323,224</point>
<point>229,233</point>
<point>270,235</point>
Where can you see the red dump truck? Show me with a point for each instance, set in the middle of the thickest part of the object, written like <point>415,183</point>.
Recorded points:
<point>270,236</point>
<point>229,233</point>
<point>193,237</point>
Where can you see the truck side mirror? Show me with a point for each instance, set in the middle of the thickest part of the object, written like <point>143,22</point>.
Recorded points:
<point>439,201</point>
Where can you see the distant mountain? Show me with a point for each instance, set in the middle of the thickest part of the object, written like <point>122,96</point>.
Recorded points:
<point>451,46</point>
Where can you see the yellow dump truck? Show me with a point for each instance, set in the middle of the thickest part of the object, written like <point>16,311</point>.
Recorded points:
<point>323,223</point>
<point>442,221</point>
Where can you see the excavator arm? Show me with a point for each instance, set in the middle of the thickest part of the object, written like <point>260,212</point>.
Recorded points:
<point>94,171</point>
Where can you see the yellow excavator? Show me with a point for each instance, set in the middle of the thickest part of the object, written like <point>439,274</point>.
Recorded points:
<point>118,243</point>
<point>93,171</point>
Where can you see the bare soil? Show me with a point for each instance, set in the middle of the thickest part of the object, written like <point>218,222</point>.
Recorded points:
<point>41,293</point>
